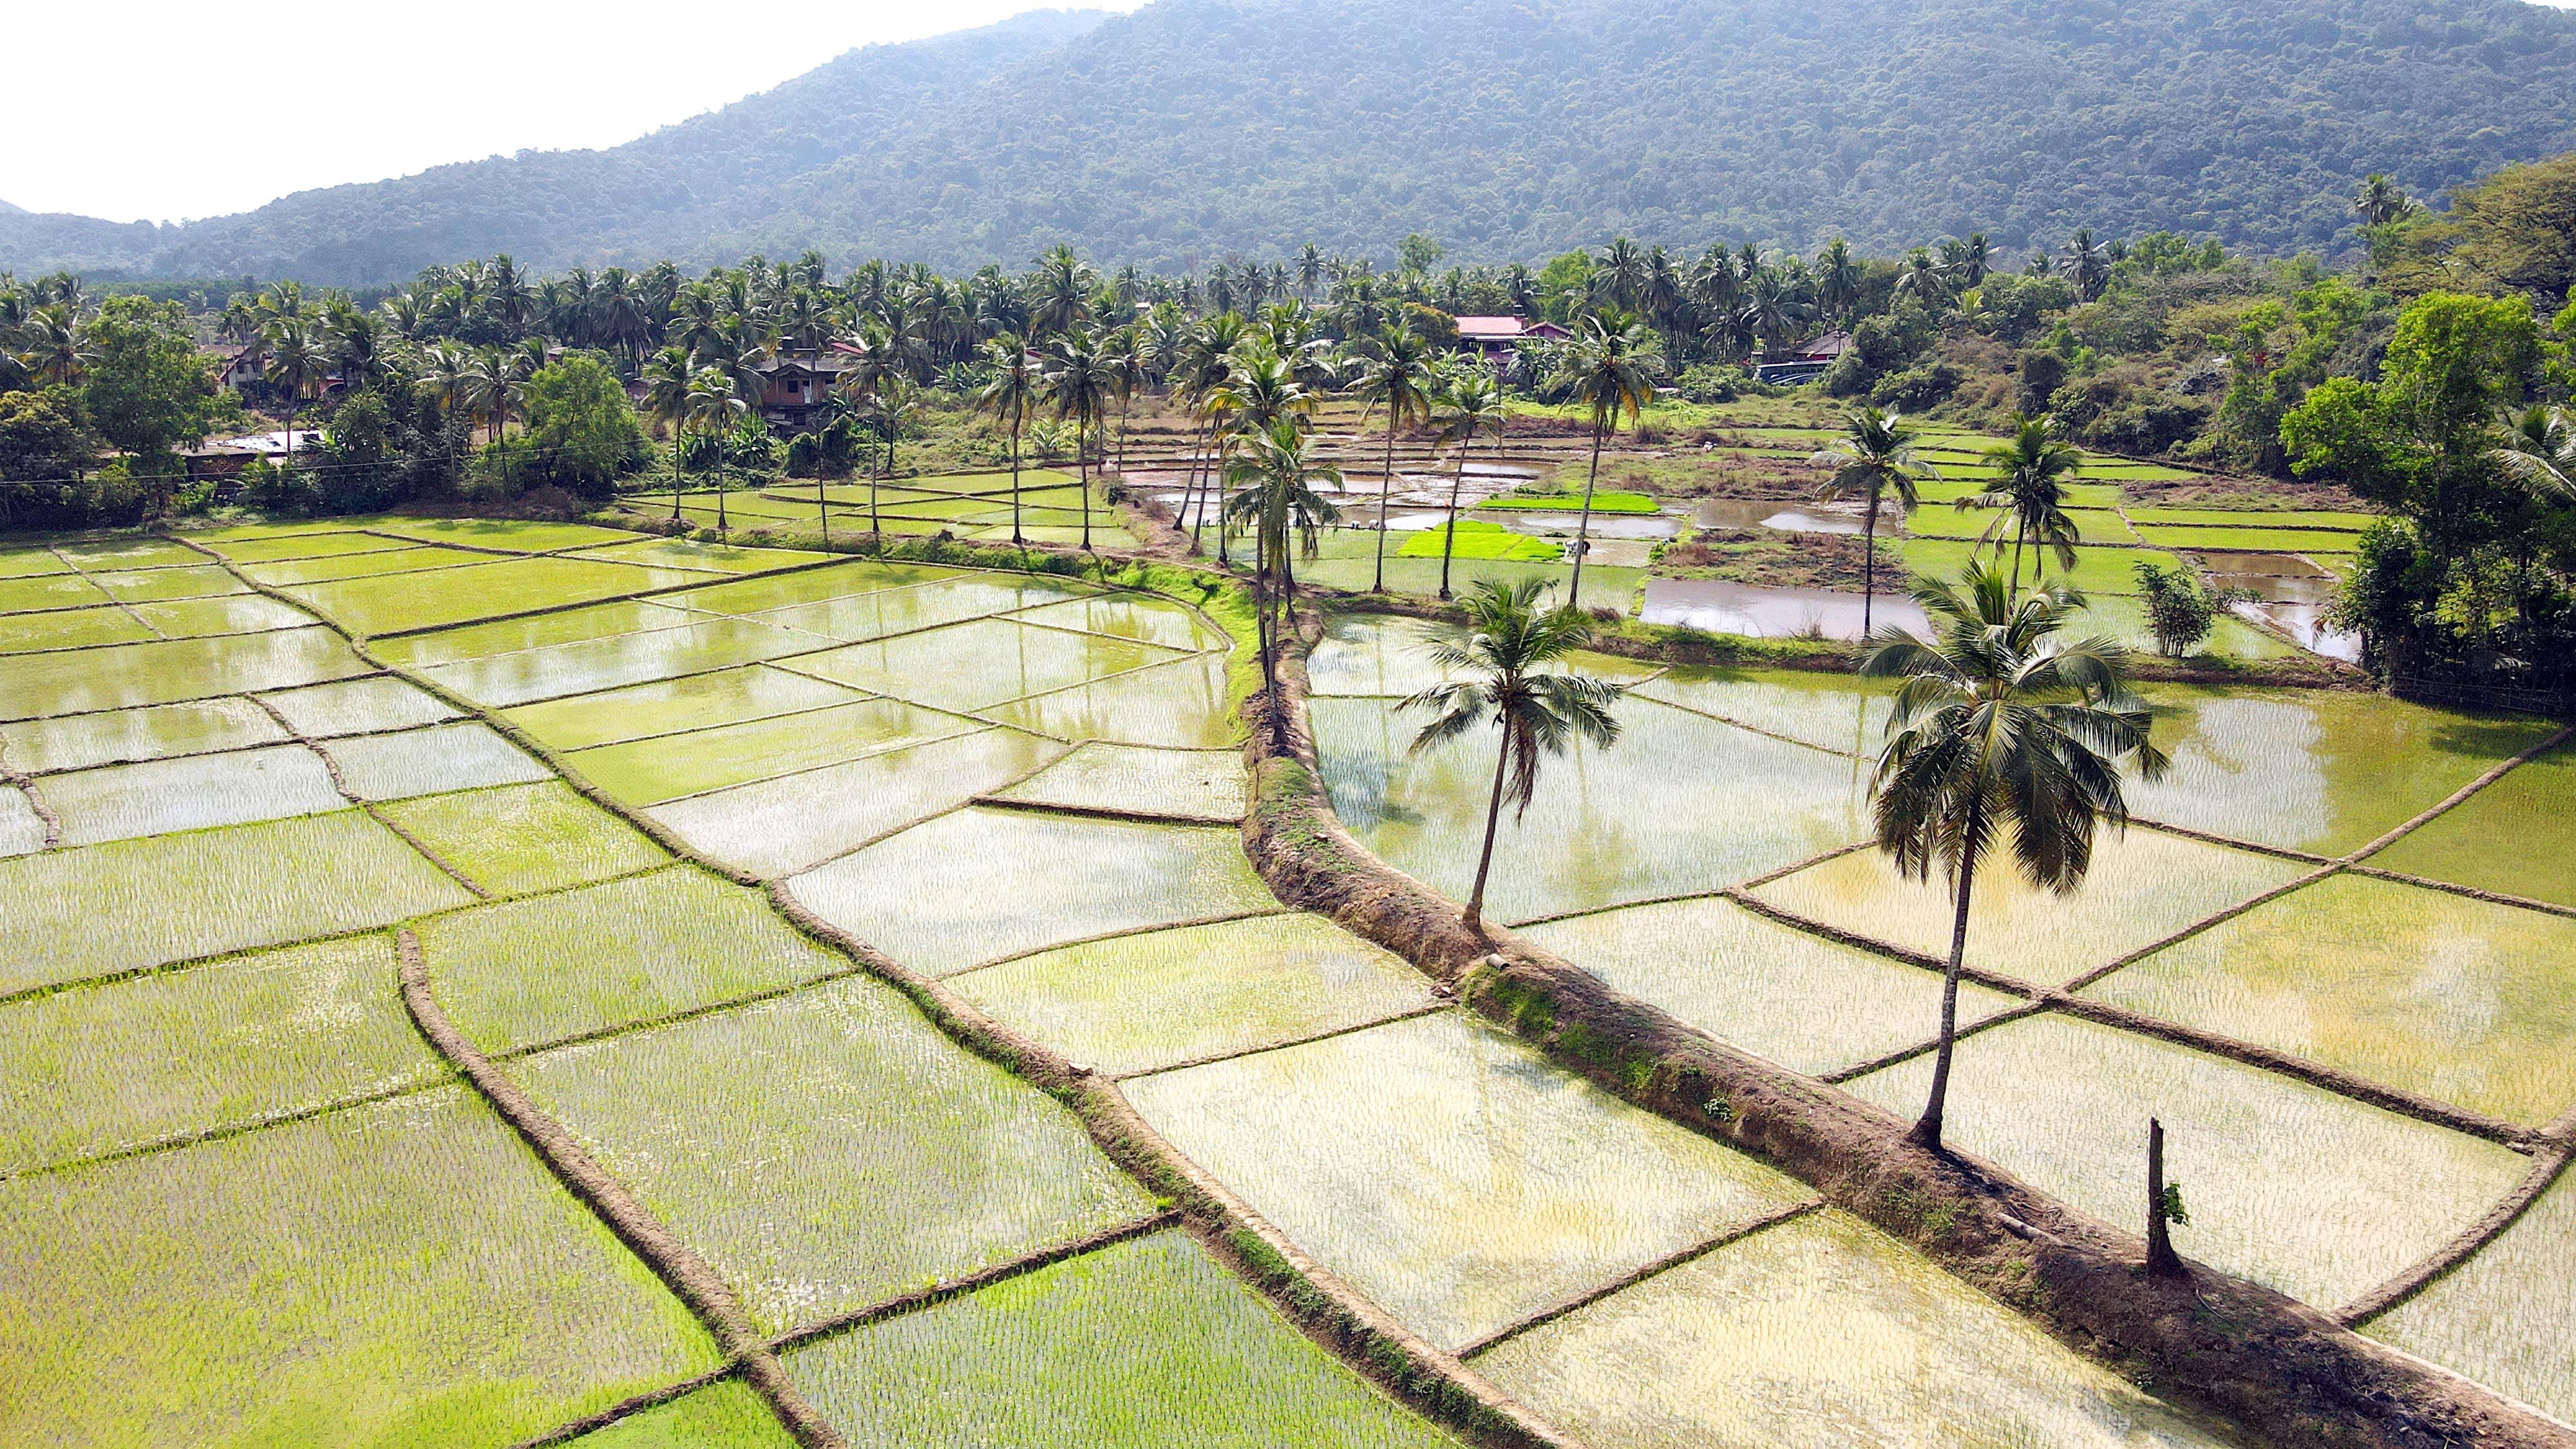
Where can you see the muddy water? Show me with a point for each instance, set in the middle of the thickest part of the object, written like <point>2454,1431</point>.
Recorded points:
<point>1773,613</point>
<point>1771,514</point>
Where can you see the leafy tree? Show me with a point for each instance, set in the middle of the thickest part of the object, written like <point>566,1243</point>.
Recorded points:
<point>1612,371</point>
<point>2180,609</point>
<point>1397,377</point>
<point>1536,711</point>
<point>147,390</point>
<point>581,424</point>
<point>2000,724</point>
<point>42,448</point>
<point>2030,475</point>
<point>1873,458</point>
<point>1471,405</point>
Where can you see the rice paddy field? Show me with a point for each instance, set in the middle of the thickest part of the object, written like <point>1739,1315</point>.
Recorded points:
<point>386,943</point>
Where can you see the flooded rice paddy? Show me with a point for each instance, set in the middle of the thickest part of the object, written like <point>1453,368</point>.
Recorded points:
<point>243,1200</point>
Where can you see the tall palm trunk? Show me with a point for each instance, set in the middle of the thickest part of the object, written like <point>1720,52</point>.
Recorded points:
<point>1868,557</point>
<point>1015,478</point>
<point>1194,508</point>
<point>1449,534</point>
<point>722,527</point>
<point>1583,528</point>
<point>1124,406</point>
<point>1082,467</point>
<point>1385,495</point>
<point>679,445</point>
<point>823,507</point>
<point>1475,917</point>
<point>1927,1128</point>
<point>1287,623</point>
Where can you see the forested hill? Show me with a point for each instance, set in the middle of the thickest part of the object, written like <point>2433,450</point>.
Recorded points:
<point>1197,128</point>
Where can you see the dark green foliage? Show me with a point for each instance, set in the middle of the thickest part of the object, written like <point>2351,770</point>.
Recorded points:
<point>2180,609</point>
<point>1195,128</point>
<point>581,426</point>
<point>42,448</point>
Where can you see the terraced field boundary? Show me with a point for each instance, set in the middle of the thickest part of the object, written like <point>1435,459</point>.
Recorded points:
<point>2279,1368</point>
<point>1418,1374</point>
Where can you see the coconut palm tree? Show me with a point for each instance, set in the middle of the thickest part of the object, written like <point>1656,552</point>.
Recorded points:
<point>1310,270</point>
<point>2088,264</point>
<point>1537,711</point>
<point>1271,482</point>
<point>296,361</point>
<point>1010,394</point>
<point>1060,293</point>
<point>2380,200</point>
<point>1471,405</point>
<point>1874,457</point>
<point>2030,477</point>
<point>1976,260</point>
<point>666,401</point>
<point>1123,352</point>
<point>715,406</point>
<point>1397,376</point>
<point>1079,381</point>
<point>1613,371</point>
<point>1999,725</point>
<point>57,348</point>
<point>1837,280</point>
<point>2540,451</point>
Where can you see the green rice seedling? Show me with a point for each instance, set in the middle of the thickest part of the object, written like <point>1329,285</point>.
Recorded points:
<point>813,586</point>
<point>216,1046</point>
<point>1789,1339</point>
<point>583,666</point>
<point>2144,885</point>
<point>2097,570</point>
<point>726,1415</point>
<point>603,956</point>
<point>2124,617</point>
<point>357,706</point>
<point>1835,711</point>
<point>2516,835</point>
<point>27,563</point>
<point>976,885</point>
<point>22,830</point>
<point>1584,842</point>
<point>1144,1344</point>
<point>193,792</point>
<point>126,676</point>
<point>77,742</point>
<point>1136,1003</point>
<point>137,903</point>
<point>461,756</point>
<point>1186,704</point>
<point>514,839</point>
<point>1132,616</point>
<point>859,617</point>
<point>1439,1167</point>
<point>2316,770</point>
<point>980,663</point>
<point>1204,784</point>
<point>502,533</point>
<point>2291,1185</point>
<point>776,827</point>
<point>399,1272</point>
<point>220,614</point>
<point>682,553</point>
<point>116,554</point>
<point>1810,1004</point>
<point>408,559</point>
<point>2499,1317</point>
<point>1475,538</point>
<point>304,545</point>
<point>70,629</point>
<point>27,593</point>
<point>393,603</point>
<point>2252,518</point>
<point>215,538</point>
<point>508,636</point>
<point>864,1154</point>
<point>651,771</point>
<point>2450,998</point>
<point>669,706</point>
<point>2263,540</point>
<point>202,580</point>
<point>1606,500</point>
<point>1032,533</point>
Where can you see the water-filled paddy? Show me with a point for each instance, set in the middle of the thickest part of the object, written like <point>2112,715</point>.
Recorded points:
<point>462,756</point>
<point>672,706</point>
<point>976,665</point>
<point>77,742</point>
<point>1186,704</point>
<point>357,706</point>
<point>2503,1317</point>
<point>511,839</point>
<point>1138,779</point>
<point>2517,835</point>
<point>582,666</point>
<point>165,672</point>
<point>193,792</point>
<point>650,771</point>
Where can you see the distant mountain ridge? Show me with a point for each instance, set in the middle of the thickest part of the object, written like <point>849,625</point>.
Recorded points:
<point>1195,129</point>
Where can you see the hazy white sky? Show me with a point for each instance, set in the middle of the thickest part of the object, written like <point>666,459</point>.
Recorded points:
<point>165,109</point>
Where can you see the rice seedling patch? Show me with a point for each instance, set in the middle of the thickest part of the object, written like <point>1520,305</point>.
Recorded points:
<point>2244,518</point>
<point>514,839</point>
<point>399,1272</point>
<point>651,771</point>
<point>1103,530</point>
<point>1144,1344</point>
<point>669,706</point>
<point>2097,570</point>
<point>864,1156</point>
<point>1201,784</point>
<point>220,614</point>
<point>1834,711</point>
<point>114,554</point>
<point>587,665</point>
<point>1131,616</point>
<point>461,756</point>
<point>973,665</point>
<point>2308,1192</point>
<point>27,563</point>
<point>812,586</point>
<point>303,545</point>
<point>386,604</point>
<point>1810,1004</point>
<point>408,559</point>
<point>1604,500</point>
<point>22,830</point>
<point>191,792</point>
<point>50,591</point>
<point>878,613</point>
<point>2266,540</point>
<point>1474,538</point>
<point>2516,835</point>
<point>220,1045</point>
<point>776,827</point>
<point>69,629</point>
<point>1134,1003</point>
<point>2124,619</point>
<point>357,706</point>
<point>1584,842</point>
<point>502,533</point>
<point>2502,1317</point>
<point>2144,885</point>
<point>79,741</point>
<point>1819,1334</point>
<point>506,636</point>
<point>135,903</point>
<point>2447,997</point>
<point>978,884</point>
<point>202,580</point>
<point>125,676</point>
<point>1443,1169</point>
<point>727,1415</point>
<point>2316,770</point>
<point>1186,704</point>
<point>577,961</point>
<point>685,553</point>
